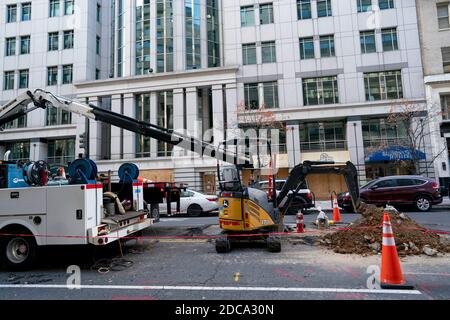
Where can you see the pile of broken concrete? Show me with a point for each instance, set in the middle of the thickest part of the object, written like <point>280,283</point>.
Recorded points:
<point>364,236</point>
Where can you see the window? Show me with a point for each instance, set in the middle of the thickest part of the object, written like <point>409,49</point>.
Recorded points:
<point>52,76</point>
<point>446,59</point>
<point>247,16</point>
<point>68,39</point>
<point>364,5</point>
<point>383,85</point>
<point>383,133</point>
<point>324,8</point>
<point>322,90</point>
<point>67,74</point>
<point>249,53</point>
<point>386,4</point>
<point>389,38</point>
<point>54,10</point>
<point>57,117</point>
<point>165,120</point>
<point>327,46</point>
<point>99,12</point>
<point>390,183</point>
<point>164,35</point>
<point>53,41</point>
<point>142,37</point>
<point>443,16</point>
<point>258,95</point>
<point>269,52</point>
<point>11,13</point>
<point>323,136</point>
<point>69,7</point>
<point>23,79</point>
<point>213,32</point>
<point>266,13</point>
<point>26,11</point>
<point>193,38</point>
<point>10,46</point>
<point>307,48</point>
<point>142,105</point>
<point>445,106</point>
<point>25,45</point>
<point>61,151</point>
<point>97,74</point>
<point>368,43</point>
<point>20,150</point>
<point>97,45</point>
<point>304,9</point>
<point>8,80</point>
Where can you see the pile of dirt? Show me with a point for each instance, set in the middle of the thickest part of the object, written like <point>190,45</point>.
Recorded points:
<point>364,236</point>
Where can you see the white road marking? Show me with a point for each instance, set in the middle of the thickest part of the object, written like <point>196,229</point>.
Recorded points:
<point>192,288</point>
<point>173,219</point>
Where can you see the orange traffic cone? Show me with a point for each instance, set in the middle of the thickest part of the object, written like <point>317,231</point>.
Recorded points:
<point>336,211</point>
<point>391,271</point>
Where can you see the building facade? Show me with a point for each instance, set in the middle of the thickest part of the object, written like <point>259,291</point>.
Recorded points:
<point>434,24</point>
<point>331,71</point>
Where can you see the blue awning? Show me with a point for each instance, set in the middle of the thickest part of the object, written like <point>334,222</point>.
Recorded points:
<point>396,153</point>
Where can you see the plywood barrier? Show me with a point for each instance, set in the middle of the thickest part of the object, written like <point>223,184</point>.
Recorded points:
<point>158,175</point>
<point>323,184</point>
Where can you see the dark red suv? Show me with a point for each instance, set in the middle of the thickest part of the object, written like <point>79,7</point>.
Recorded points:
<point>421,192</point>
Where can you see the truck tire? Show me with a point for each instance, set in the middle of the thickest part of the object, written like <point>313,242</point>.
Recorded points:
<point>154,212</point>
<point>17,252</point>
<point>223,245</point>
<point>273,244</point>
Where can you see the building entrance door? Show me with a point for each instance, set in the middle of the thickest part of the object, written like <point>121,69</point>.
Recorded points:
<point>209,183</point>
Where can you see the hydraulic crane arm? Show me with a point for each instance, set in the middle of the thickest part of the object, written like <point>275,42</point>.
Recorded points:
<point>43,99</point>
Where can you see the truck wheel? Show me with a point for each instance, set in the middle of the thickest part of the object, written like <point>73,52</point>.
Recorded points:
<point>223,245</point>
<point>154,213</point>
<point>194,210</point>
<point>18,253</point>
<point>273,244</point>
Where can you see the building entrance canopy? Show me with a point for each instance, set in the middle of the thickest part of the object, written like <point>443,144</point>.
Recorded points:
<point>396,153</point>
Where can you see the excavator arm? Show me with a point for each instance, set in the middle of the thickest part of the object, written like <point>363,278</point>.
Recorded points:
<point>29,101</point>
<point>300,172</point>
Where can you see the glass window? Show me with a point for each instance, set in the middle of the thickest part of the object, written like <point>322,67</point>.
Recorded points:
<point>405,182</point>
<point>142,104</point>
<point>386,4</point>
<point>53,41</point>
<point>251,96</point>
<point>386,184</point>
<point>307,48</point>
<point>304,9</point>
<point>323,136</point>
<point>269,52</point>
<point>443,16</point>
<point>324,8</point>
<point>213,32</point>
<point>368,43</point>
<point>69,7</point>
<point>270,94</point>
<point>383,85</point>
<point>57,117</point>
<point>97,74</point>
<point>61,151</point>
<point>8,80</point>
<point>364,5</point>
<point>25,45</point>
<point>446,59</point>
<point>266,13</point>
<point>322,90</point>
<point>389,38</point>
<point>164,35</point>
<point>23,79</point>
<point>99,12</point>
<point>68,39</point>
<point>165,120</point>
<point>382,133</point>
<point>11,13</point>
<point>143,37</point>
<point>26,11</point>
<point>52,76</point>
<point>10,46</point>
<point>261,95</point>
<point>247,16</point>
<point>327,46</point>
<point>97,45</point>
<point>193,37</point>
<point>54,10</point>
<point>445,107</point>
<point>67,74</point>
<point>249,53</point>
<point>20,150</point>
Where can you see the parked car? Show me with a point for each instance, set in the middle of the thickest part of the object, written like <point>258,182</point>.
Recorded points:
<point>304,199</point>
<point>193,204</point>
<point>417,191</point>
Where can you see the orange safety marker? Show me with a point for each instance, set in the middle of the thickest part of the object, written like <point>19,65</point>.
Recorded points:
<point>391,271</point>
<point>336,212</point>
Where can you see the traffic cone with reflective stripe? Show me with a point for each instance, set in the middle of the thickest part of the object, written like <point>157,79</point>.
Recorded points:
<point>391,271</point>
<point>336,212</point>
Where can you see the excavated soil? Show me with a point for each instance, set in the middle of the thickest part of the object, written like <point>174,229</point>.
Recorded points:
<point>364,236</point>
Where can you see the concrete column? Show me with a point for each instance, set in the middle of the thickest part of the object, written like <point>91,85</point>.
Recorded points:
<point>95,134</point>
<point>231,108</point>
<point>193,124</point>
<point>38,150</point>
<point>356,147</point>
<point>129,138</point>
<point>116,141</point>
<point>203,35</point>
<point>293,145</point>
<point>129,34</point>
<point>153,40</point>
<point>154,120</point>
<point>178,117</point>
<point>179,39</point>
<point>218,114</point>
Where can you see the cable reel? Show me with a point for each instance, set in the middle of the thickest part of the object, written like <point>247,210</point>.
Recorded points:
<point>36,173</point>
<point>83,171</point>
<point>128,172</point>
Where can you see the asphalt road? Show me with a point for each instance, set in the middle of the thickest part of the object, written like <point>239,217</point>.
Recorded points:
<point>181,269</point>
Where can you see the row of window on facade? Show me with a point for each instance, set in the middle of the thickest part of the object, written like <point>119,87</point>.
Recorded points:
<point>9,78</point>
<point>304,10</point>
<point>12,10</point>
<point>325,90</point>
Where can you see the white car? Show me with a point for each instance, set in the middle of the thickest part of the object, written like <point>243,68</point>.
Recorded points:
<point>193,204</point>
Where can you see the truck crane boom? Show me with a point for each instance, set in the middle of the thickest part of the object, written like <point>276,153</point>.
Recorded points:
<point>20,106</point>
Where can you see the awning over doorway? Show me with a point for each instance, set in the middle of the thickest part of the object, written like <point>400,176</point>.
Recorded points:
<point>396,153</point>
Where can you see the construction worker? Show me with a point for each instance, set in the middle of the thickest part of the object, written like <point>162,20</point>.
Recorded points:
<point>322,219</point>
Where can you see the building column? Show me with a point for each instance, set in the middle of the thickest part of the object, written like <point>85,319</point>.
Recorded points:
<point>129,138</point>
<point>95,134</point>
<point>356,147</point>
<point>194,126</point>
<point>129,34</point>
<point>179,36</point>
<point>38,150</point>
<point>203,35</point>
<point>154,120</point>
<point>293,145</point>
<point>231,109</point>
<point>116,133</point>
<point>178,118</point>
<point>218,114</point>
